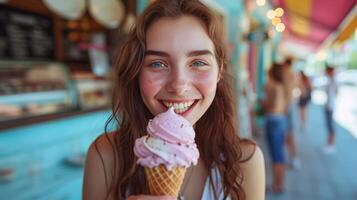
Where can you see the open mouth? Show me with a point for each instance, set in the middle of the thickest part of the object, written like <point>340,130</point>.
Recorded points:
<point>180,107</point>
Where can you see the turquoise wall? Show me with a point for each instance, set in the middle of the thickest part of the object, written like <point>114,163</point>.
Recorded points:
<point>37,153</point>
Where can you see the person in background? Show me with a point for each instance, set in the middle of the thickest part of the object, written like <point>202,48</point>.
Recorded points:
<point>275,107</point>
<point>305,97</point>
<point>331,92</point>
<point>289,83</point>
<point>175,56</point>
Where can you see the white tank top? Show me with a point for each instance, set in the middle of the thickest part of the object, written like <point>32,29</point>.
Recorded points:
<point>208,192</point>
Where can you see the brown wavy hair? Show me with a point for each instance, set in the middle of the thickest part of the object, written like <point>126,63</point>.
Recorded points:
<point>276,72</point>
<point>216,130</point>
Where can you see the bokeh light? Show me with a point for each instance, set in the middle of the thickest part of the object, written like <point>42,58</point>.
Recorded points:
<point>276,21</point>
<point>280,27</point>
<point>271,14</point>
<point>279,12</point>
<point>260,2</point>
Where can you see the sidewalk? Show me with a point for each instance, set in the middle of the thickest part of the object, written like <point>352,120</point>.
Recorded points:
<point>322,176</point>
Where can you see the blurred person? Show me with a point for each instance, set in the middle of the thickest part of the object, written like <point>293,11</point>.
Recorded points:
<point>174,57</point>
<point>331,93</point>
<point>305,97</point>
<point>275,107</point>
<point>289,83</point>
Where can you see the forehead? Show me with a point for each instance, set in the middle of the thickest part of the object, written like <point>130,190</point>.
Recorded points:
<point>178,34</point>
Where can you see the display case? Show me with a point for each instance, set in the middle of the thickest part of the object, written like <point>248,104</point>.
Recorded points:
<point>93,91</point>
<point>35,88</point>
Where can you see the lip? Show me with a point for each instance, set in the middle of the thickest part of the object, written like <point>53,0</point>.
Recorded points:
<point>177,101</point>
<point>184,114</point>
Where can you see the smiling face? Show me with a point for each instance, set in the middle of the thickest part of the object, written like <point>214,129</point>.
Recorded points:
<point>180,69</point>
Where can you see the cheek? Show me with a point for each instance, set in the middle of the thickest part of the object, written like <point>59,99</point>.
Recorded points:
<point>150,84</point>
<point>207,83</point>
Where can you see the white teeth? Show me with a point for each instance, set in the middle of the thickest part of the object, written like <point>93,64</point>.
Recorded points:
<point>179,107</point>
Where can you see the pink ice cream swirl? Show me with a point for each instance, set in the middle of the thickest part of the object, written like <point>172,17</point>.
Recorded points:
<point>170,141</point>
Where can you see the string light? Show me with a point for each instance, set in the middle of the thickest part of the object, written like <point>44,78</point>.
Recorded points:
<point>279,12</point>
<point>271,14</point>
<point>280,27</point>
<point>260,2</point>
<point>276,21</point>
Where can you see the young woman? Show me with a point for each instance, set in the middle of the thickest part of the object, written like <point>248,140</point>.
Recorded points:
<point>305,97</point>
<point>331,93</point>
<point>275,106</point>
<point>174,55</point>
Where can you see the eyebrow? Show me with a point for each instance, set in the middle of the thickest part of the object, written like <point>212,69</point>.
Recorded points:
<point>190,54</point>
<point>199,53</point>
<point>156,53</point>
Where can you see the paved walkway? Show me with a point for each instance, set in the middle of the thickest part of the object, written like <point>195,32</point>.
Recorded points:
<point>322,176</point>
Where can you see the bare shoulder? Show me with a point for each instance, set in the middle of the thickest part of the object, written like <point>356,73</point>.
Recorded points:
<point>104,145</point>
<point>98,167</point>
<point>252,155</point>
<point>253,171</point>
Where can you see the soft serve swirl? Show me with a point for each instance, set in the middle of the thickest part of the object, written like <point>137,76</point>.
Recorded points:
<point>170,141</point>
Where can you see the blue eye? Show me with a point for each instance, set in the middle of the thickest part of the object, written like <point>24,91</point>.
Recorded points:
<point>198,64</point>
<point>157,64</point>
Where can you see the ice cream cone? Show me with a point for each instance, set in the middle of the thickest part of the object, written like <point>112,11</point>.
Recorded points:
<point>163,181</point>
<point>166,152</point>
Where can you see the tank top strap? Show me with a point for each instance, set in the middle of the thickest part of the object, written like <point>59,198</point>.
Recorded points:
<point>208,192</point>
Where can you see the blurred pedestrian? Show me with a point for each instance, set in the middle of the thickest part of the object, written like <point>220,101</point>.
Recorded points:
<point>290,83</point>
<point>275,126</point>
<point>305,97</point>
<point>331,92</point>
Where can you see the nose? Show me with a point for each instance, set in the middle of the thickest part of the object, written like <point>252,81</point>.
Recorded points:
<point>179,82</point>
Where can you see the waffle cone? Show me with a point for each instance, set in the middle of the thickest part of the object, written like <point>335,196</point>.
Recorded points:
<point>164,182</point>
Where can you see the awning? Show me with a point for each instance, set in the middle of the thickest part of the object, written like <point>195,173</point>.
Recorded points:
<point>310,22</point>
